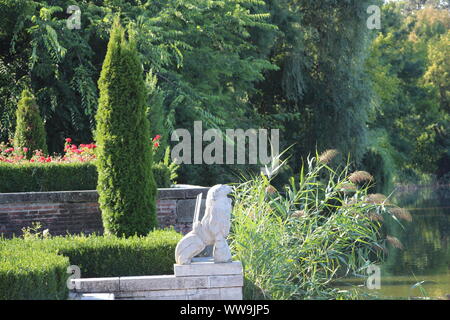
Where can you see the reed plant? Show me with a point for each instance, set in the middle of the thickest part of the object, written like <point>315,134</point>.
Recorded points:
<point>321,227</point>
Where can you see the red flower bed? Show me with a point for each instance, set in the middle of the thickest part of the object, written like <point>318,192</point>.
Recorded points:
<point>72,153</point>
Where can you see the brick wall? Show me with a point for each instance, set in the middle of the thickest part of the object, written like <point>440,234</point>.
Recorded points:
<point>78,212</point>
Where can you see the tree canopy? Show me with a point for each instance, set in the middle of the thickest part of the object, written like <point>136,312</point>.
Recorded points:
<point>311,68</point>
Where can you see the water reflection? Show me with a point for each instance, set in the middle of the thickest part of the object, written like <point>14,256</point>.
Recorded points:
<point>426,241</point>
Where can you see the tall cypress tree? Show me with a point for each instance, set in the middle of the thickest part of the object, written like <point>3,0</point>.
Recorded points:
<point>30,131</point>
<point>126,186</point>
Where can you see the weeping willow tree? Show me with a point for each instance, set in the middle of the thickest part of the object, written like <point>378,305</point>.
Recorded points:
<point>320,95</point>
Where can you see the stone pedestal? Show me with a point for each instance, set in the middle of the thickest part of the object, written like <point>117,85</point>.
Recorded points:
<point>91,296</point>
<point>201,280</point>
<point>224,280</point>
<point>207,267</point>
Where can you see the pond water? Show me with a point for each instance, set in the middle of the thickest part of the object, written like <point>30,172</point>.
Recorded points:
<point>426,253</point>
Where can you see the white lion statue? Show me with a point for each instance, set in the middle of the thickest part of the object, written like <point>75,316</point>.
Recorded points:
<point>211,230</point>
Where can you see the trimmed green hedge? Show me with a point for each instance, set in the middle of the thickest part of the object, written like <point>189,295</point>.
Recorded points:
<point>35,177</point>
<point>36,268</point>
<point>29,274</point>
<point>110,256</point>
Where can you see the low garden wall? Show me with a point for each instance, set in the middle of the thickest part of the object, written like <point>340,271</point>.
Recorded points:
<point>76,212</point>
<point>202,280</point>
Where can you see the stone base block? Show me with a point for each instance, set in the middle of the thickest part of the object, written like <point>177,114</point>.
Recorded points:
<point>91,296</point>
<point>207,267</point>
<point>187,294</point>
<point>202,280</point>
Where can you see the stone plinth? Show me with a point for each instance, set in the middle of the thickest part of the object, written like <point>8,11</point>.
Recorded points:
<point>207,267</point>
<point>91,296</point>
<point>201,280</point>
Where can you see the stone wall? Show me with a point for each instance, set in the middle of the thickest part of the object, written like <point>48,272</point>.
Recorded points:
<point>202,280</point>
<point>78,211</point>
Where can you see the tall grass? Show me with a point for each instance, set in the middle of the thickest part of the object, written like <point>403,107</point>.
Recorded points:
<point>294,242</point>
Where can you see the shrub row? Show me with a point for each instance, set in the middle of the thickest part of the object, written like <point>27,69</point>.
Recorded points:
<point>29,274</point>
<point>36,268</point>
<point>110,256</point>
<point>35,177</point>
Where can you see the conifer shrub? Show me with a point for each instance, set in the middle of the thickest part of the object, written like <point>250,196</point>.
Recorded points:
<point>126,185</point>
<point>30,131</point>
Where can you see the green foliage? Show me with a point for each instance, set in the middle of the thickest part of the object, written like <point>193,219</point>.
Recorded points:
<point>155,114</point>
<point>172,36</point>
<point>126,185</point>
<point>319,96</point>
<point>57,63</point>
<point>162,175</point>
<point>379,160</point>
<point>35,267</point>
<point>28,274</point>
<point>408,66</point>
<point>30,130</point>
<point>420,4</point>
<point>36,177</point>
<point>13,72</point>
<point>295,242</point>
<point>109,256</point>
<point>299,66</point>
<point>438,71</point>
<point>173,167</point>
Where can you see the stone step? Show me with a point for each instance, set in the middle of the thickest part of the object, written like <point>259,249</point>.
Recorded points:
<point>202,280</point>
<point>91,296</point>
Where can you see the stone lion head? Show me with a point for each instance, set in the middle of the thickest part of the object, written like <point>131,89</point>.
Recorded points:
<point>220,191</point>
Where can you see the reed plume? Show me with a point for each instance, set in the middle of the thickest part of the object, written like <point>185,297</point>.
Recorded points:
<point>378,247</point>
<point>360,176</point>
<point>401,213</point>
<point>299,214</point>
<point>376,198</point>
<point>394,242</point>
<point>270,189</point>
<point>374,216</point>
<point>328,155</point>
